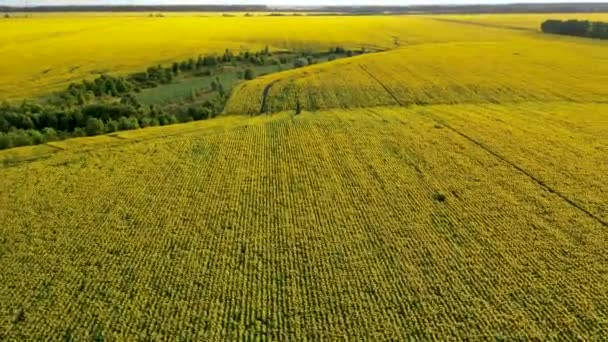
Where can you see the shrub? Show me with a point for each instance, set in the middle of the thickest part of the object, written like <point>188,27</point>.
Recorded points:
<point>5,141</point>
<point>94,126</point>
<point>20,138</point>
<point>301,62</point>
<point>439,197</point>
<point>79,132</point>
<point>249,74</point>
<point>49,133</point>
<point>111,126</point>
<point>125,123</point>
<point>36,136</point>
<point>148,122</point>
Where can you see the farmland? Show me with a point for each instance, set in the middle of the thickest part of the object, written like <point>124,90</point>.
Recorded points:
<point>32,65</point>
<point>450,187</point>
<point>443,73</point>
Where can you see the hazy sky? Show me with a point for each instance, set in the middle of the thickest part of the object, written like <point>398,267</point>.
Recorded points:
<point>270,2</point>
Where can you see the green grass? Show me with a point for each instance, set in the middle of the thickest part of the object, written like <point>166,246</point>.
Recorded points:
<point>183,87</point>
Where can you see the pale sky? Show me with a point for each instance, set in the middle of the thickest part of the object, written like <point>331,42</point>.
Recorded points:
<point>274,2</point>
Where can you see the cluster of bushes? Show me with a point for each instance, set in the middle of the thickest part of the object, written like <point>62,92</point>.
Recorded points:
<point>337,49</point>
<point>209,61</point>
<point>579,28</point>
<point>78,94</point>
<point>107,103</point>
<point>30,124</point>
<point>151,78</point>
<point>35,123</point>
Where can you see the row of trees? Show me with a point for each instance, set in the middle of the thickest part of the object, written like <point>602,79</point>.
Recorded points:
<point>579,28</point>
<point>81,110</point>
<point>30,124</point>
<point>78,94</point>
<point>108,103</point>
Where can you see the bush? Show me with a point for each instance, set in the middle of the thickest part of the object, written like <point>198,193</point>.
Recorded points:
<point>173,119</point>
<point>20,138</point>
<point>36,137</point>
<point>125,123</point>
<point>49,133</point>
<point>111,126</point>
<point>249,74</point>
<point>301,62</point>
<point>5,141</point>
<point>94,127</point>
<point>79,132</point>
<point>439,197</point>
<point>147,122</point>
<point>184,117</point>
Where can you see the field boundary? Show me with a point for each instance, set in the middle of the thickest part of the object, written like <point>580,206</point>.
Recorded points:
<point>386,88</point>
<point>12,161</point>
<point>537,180</point>
<point>498,26</point>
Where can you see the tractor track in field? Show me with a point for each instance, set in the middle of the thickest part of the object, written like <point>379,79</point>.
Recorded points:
<point>535,179</point>
<point>264,105</point>
<point>386,88</point>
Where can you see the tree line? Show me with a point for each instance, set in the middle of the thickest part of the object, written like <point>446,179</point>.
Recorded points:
<point>31,123</point>
<point>108,103</point>
<point>579,28</point>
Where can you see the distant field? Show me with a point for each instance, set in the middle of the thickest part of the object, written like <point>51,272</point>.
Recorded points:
<point>93,43</point>
<point>33,65</point>
<point>526,68</point>
<point>525,21</point>
<point>452,187</point>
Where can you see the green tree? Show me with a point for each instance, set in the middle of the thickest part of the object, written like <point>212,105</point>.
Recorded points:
<point>5,141</point>
<point>125,123</point>
<point>20,138</point>
<point>249,74</point>
<point>301,62</point>
<point>111,126</point>
<point>94,126</point>
<point>49,133</point>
